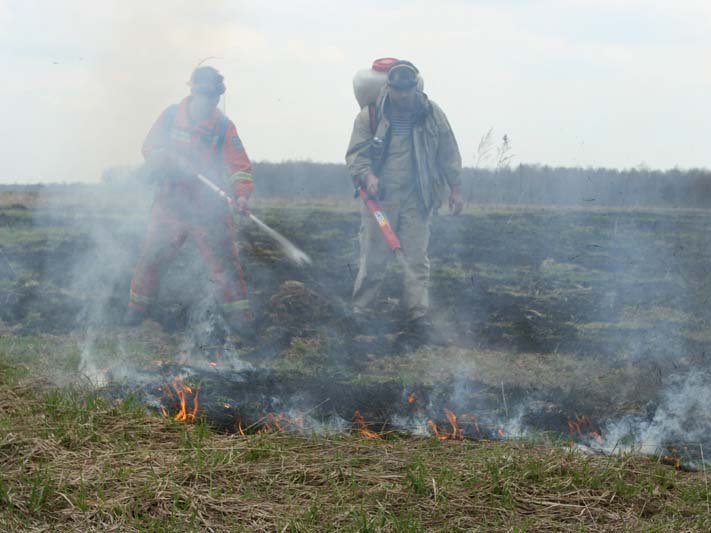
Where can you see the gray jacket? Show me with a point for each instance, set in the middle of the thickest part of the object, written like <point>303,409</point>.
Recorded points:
<point>436,154</point>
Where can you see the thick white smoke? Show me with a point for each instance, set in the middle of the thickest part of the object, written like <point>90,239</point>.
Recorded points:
<point>682,417</point>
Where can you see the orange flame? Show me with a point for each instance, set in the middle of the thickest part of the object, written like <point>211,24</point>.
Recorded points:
<point>581,425</point>
<point>670,460</point>
<point>437,433</point>
<point>184,393</point>
<point>272,423</point>
<point>457,433</point>
<point>238,424</point>
<point>364,431</point>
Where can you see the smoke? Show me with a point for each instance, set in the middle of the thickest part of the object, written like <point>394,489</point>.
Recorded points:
<point>680,418</point>
<point>96,272</point>
<point>100,230</point>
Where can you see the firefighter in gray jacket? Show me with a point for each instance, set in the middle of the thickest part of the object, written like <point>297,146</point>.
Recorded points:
<point>404,152</point>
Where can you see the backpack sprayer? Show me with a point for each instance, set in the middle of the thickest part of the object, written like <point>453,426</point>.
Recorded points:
<point>290,250</point>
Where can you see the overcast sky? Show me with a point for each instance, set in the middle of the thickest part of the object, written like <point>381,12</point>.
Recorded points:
<point>609,83</point>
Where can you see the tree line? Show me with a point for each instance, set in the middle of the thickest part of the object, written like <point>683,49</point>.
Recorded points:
<point>523,184</point>
<point>519,185</point>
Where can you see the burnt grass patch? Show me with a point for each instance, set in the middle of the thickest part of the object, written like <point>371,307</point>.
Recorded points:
<point>79,462</point>
<point>231,401</point>
<point>627,289</point>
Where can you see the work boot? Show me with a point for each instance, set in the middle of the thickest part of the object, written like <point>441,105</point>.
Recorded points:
<point>420,327</point>
<point>416,333</point>
<point>134,317</point>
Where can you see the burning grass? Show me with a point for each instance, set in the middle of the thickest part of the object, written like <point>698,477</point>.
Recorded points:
<point>70,460</point>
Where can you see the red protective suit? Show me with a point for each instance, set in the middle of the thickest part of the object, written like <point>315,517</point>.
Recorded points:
<point>183,206</point>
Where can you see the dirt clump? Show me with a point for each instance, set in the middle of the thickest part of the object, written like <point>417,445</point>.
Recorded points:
<point>299,309</point>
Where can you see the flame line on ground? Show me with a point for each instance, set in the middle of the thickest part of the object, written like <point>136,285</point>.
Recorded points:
<point>262,419</point>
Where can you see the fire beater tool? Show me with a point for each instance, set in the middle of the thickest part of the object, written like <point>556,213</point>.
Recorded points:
<point>294,253</point>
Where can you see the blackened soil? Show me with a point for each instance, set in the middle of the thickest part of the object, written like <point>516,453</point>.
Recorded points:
<point>538,281</point>
<point>628,288</point>
<point>247,398</point>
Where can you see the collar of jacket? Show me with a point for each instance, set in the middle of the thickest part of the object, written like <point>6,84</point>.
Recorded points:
<point>422,107</point>
<point>182,118</point>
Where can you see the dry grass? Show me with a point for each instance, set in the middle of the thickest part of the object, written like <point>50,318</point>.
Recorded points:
<point>70,461</point>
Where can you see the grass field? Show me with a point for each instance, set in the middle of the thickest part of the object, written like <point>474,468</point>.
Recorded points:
<point>72,461</point>
<point>594,312</point>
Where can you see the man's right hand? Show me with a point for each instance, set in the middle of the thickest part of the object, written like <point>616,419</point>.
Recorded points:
<point>371,184</point>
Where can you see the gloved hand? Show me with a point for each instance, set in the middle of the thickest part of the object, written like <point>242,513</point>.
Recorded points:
<point>241,192</point>
<point>456,203</point>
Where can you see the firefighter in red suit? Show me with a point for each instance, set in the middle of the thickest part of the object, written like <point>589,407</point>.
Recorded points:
<point>189,138</point>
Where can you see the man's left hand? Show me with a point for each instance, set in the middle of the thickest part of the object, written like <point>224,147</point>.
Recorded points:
<point>456,204</point>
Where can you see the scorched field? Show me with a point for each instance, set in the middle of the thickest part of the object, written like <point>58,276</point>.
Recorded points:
<point>566,387</point>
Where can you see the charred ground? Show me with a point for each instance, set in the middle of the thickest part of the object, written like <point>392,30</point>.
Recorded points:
<point>561,312</point>
<point>592,308</point>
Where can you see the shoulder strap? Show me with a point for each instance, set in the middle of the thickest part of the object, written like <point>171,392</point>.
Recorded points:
<point>220,133</point>
<point>169,119</point>
<point>373,115</point>
<point>221,130</point>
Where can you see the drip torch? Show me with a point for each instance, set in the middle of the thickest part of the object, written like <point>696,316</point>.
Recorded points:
<point>386,230</point>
